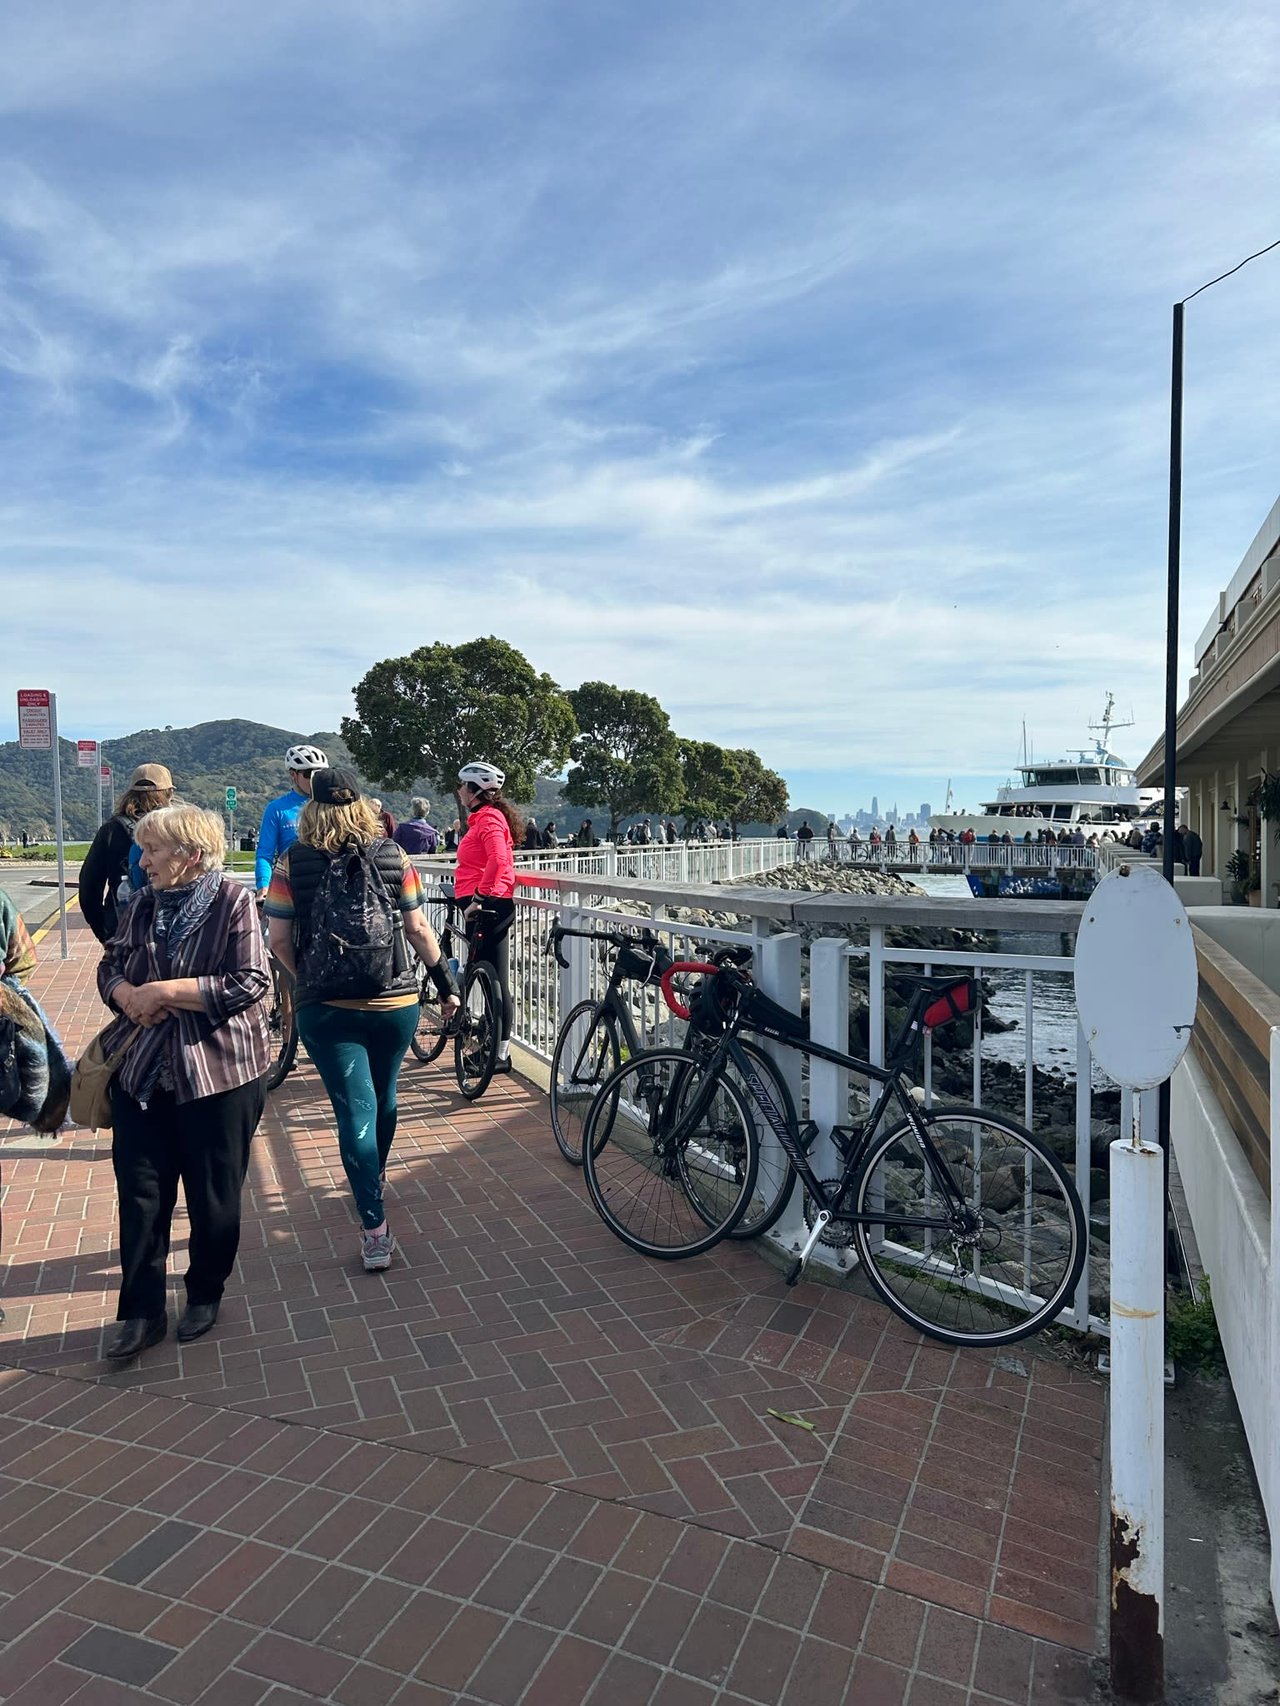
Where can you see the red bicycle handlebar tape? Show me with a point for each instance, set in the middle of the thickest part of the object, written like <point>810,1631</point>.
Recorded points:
<point>668,994</point>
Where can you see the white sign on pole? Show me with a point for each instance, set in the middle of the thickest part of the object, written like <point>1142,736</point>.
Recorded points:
<point>106,773</point>
<point>1136,980</point>
<point>86,754</point>
<point>35,718</point>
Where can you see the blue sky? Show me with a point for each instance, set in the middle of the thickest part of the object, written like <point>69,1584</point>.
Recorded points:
<point>806,366</point>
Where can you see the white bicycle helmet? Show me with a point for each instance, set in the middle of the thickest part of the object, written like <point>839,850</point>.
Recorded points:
<point>481,775</point>
<point>305,757</point>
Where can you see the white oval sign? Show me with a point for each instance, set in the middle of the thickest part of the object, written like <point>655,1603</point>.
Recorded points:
<point>1136,979</point>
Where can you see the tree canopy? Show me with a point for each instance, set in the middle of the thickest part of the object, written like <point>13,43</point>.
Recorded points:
<point>626,759</point>
<point>762,796</point>
<point>428,713</point>
<point>710,781</point>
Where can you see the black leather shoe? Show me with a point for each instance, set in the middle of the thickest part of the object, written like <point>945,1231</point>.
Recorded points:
<point>196,1320</point>
<point>502,1064</point>
<point>136,1335</point>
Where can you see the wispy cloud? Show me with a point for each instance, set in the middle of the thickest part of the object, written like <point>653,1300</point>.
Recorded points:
<point>809,369</point>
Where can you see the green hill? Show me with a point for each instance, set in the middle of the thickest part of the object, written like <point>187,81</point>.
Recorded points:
<point>204,761</point>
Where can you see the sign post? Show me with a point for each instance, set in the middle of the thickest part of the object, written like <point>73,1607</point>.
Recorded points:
<point>1134,917</point>
<point>38,731</point>
<point>231,813</point>
<point>88,757</point>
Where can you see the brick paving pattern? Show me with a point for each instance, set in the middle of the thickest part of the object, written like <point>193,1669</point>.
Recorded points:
<point>523,1466</point>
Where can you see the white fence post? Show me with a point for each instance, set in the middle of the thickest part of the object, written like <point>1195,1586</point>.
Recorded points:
<point>828,1084</point>
<point>776,967</point>
<point>1137,1412</point>
<point>1273,1279</point>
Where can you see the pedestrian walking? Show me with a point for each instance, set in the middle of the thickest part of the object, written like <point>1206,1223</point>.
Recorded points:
<point>107,861</point>
<point>187,975</point>
<point>357,1009</point>
<point>415,834</point>
<point>1193,848</point>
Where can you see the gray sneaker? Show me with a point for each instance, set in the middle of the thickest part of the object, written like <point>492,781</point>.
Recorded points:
<point>376,1250</point>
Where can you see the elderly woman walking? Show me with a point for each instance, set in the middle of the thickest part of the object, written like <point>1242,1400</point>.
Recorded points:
<point>357,1007</point>
<point>187,972</point>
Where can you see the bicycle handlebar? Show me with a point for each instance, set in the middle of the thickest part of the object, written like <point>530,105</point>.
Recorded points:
<point>616,939</point>
<point>682,968</point>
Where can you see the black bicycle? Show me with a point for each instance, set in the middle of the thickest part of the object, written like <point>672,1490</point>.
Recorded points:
<point>597,1036</point>
<point>965,1223</point>
<point>476,1028</point>
<point>282,1024</point>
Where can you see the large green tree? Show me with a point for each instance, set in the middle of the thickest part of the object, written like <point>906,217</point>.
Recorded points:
<point>426,714</point>
<point>710,782</point>
<point>626,759</point>
<point>762,796</point>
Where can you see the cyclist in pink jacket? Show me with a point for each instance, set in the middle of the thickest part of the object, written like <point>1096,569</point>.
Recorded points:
<point>485,879</point>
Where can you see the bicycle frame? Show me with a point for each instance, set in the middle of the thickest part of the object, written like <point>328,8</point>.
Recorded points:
<point>853,1146</point>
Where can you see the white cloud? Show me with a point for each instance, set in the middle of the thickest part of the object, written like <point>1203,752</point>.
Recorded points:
<point>813,376</point>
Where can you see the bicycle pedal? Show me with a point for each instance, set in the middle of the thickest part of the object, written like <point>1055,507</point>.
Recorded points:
<point>795,1270</point>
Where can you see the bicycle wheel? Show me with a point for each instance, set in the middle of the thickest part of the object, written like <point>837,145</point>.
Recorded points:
<point>432,1033</point>
<point>991,1271</point>
<point>666,1151</point>
<point>475,1043</point>
<point>775,1175</point>
<point>586,1052</point>
<point>283,1026</point>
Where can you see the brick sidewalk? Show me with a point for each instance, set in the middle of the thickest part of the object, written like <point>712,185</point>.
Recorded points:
<point>525,1465</point>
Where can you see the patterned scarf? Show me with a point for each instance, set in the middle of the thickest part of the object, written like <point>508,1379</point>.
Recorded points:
<point>178,913</point>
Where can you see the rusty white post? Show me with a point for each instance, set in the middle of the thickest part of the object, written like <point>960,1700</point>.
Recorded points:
<point>1272,1489</point>
<point>1137,1412</point>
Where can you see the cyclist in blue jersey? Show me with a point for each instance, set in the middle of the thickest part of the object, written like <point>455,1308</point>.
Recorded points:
<point>280,820</point>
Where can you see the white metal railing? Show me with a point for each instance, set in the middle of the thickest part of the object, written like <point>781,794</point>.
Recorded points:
<point>849,963</point>
<point>677,862</point>
<point>960,856</point>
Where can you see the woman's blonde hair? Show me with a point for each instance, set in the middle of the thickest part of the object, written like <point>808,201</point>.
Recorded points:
<point>331,828</point>
<point>190,830</point>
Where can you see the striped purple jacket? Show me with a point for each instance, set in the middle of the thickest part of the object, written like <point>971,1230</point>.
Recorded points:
<point>227,1044</point>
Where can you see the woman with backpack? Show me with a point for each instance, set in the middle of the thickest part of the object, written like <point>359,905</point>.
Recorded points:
<point>484,882</point>
<point>107,861</point>
<point>344,908</point>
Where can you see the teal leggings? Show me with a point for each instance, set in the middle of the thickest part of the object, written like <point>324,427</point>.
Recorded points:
<point>358,1055</point>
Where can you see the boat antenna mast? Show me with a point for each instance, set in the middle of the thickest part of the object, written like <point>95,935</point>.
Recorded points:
<point>1107,724</point>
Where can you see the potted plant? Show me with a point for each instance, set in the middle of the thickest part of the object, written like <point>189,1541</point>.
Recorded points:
<point>1264,797</point>
<point>1238,877</point>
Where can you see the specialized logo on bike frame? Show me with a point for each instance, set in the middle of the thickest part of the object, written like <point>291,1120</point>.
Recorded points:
<point>770,1109</point>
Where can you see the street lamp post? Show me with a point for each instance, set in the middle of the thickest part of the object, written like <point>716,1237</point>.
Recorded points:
<point>1175,563</point>
<point>1137,1645</point>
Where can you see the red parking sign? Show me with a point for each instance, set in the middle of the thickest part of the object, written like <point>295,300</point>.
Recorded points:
<point>35,718</point>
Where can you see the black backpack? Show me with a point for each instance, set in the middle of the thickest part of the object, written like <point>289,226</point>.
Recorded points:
<point>354,949</point>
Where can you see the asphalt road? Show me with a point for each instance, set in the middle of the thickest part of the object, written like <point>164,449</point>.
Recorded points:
<point>35,903</point>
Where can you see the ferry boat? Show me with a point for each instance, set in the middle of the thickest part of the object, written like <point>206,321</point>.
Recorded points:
<point>1091,791</point>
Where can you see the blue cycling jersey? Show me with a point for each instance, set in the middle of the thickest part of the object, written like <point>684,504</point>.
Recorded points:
<point>279,831</point>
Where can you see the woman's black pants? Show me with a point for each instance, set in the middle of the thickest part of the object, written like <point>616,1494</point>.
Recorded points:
<point>487,936</point>
<point>205,1145</point>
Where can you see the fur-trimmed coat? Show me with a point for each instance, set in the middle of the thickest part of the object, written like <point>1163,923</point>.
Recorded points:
<point>31,1055</point>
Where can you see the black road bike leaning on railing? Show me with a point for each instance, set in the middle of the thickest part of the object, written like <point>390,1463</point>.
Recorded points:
<point>597,1036</point>
<point>965,1223</point>
<point>476,1029</point>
